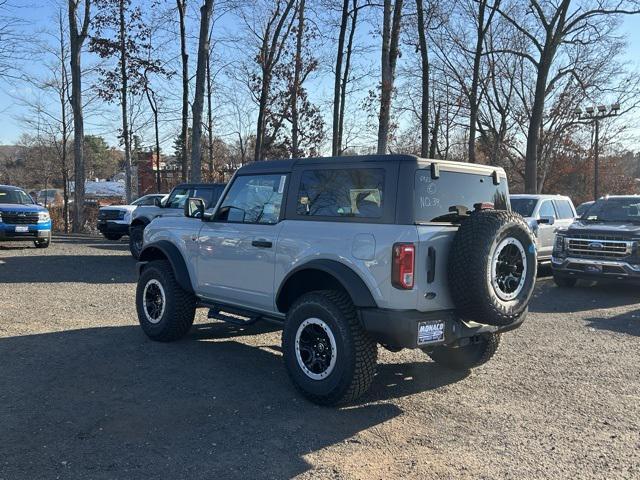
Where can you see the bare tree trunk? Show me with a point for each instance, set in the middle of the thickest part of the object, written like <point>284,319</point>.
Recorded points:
<point>184,132</point>
<point>210,120</point>
<point>345,75</point>
<point>335,144</point>
<point>474,101</point>
<point>76,39</point>
<point>390,38</point>
<point>124,92</point>
<point>198,100</point>
<point>270,50</point>
<point>64,98</point>
<point>424,60</point>
<point>547,55</point>
<point>434,134</point>
<point>295,151</point>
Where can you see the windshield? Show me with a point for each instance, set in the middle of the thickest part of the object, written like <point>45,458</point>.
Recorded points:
<point>442,199</point>
<point>523,206</point>
<point>15,196</point>
<point>614,210</point>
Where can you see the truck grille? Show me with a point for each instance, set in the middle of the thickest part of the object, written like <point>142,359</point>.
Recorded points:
<point>20,218</point>
<point>111,215</point>
<point>602,246</point>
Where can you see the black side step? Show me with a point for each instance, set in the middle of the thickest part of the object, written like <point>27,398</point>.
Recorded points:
<point>233,316</point>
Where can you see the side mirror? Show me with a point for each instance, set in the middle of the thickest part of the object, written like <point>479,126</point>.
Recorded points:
<point>546,221</point>
<point>157,202</point>
<point>194,208</point>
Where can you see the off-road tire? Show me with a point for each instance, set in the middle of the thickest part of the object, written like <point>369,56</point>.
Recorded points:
<point>135,240</point>
<point>180,305</point>
<point>112,236</point>
<point>470,267</point>
<point>564,282</point>
<point>356,352</point>
<point>44,243</point>
<point>477,353</point>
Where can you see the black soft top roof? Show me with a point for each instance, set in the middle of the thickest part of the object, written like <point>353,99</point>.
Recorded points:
<point>199,185</point>
<point>280,166</point>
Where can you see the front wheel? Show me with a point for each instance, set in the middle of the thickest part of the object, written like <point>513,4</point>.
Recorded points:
<point>478,352</point>
<point>43,243</point>
<point>165,310</point>
<point>328,355</point>
<point>135,240</point>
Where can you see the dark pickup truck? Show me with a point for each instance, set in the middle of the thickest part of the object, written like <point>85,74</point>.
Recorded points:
<point>602,244</point>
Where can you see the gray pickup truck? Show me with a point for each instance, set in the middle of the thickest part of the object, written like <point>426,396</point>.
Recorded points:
<point>347,253</point>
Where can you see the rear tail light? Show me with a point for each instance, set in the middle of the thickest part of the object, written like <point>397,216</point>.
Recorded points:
<point>403,266</point>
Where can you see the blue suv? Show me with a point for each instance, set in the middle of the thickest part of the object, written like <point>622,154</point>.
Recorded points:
<point>22,219</point>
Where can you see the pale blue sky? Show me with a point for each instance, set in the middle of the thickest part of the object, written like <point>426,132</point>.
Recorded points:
<point>41,15</point>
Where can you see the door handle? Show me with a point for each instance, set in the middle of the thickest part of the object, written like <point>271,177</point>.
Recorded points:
<point>262,243</point>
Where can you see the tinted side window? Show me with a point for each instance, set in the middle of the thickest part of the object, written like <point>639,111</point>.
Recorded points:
<point>547,210</point>
<point>253,199</point>
<point>177,198</point>
<point>206,194</point>
<point>564,209</point>
<point>355,192</point>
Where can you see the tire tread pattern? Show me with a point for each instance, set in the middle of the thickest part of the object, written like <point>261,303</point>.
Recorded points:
<point>365,350</point>
<point>468,261</point>
<point>181,305</point>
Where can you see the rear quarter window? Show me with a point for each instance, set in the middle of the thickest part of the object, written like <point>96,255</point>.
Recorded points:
<point>564,209</point>
<point>346,193</point>
<point>433,198</point>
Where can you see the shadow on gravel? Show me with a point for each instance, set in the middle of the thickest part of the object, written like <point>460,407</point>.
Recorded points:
<point>628,322</point>
<point>107,403</point>
<point>396,380</point>
<point>548,298</point>
<point>69,268</point>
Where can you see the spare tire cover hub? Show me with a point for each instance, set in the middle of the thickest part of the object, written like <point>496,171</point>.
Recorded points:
<point>508,268</point>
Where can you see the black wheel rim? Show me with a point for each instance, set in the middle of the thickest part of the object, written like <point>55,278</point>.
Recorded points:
<point>315,349</point>
<point>509,269</point>
<point>154,301</point>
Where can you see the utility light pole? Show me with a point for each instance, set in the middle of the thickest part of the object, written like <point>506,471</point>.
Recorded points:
<point>593,115</point>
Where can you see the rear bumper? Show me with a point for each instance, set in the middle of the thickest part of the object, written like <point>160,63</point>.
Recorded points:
<point>111,226</point>
<point>594,269</point>
<point>407,328</point>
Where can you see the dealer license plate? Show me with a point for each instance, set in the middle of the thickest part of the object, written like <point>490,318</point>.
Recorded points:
<point>593,268</point>
<point>430,332</point>
<point>22,229</point>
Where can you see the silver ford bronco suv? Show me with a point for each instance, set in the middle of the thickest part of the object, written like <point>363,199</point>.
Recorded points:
<point>347,253</point>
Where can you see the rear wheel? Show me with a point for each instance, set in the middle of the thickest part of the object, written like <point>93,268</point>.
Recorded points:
<point>135,240</point>
<point>165,310</point>
<point>328,355</point>
<point>112,236</point>
<point>478,352</point>
<point>564,282</point>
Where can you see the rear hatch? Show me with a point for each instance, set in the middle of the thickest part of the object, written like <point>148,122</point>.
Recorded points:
<point>441,194</point>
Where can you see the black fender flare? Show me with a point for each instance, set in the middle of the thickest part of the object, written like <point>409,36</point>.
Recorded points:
<point>350,281</point>
<point>166,249</point>
<point>144,221</point>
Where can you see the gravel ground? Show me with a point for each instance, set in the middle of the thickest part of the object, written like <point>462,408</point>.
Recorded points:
<point>84,394</point>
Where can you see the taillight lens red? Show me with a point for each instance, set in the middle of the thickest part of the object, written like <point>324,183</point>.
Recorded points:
<point>403,265</point>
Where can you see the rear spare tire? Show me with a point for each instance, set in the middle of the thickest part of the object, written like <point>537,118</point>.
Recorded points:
<point>492,267</point>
